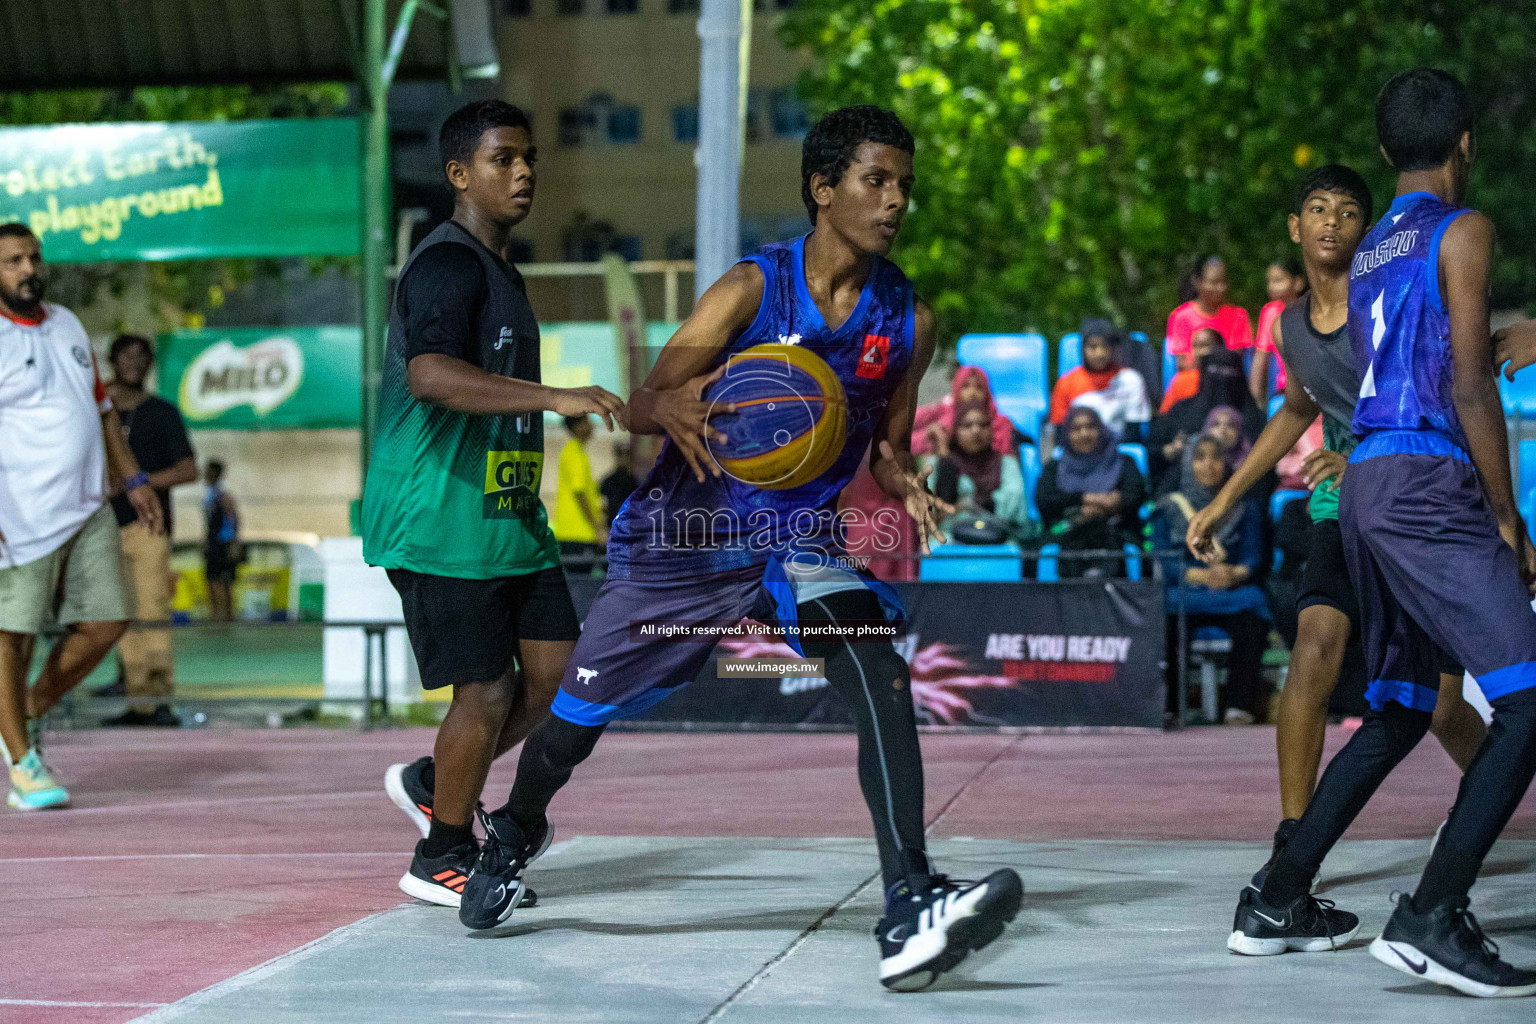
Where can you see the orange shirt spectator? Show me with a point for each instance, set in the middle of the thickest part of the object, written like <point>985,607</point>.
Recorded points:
<point>1120,393</point>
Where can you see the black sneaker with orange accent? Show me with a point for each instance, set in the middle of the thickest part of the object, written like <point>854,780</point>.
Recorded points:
<point>406,789</point>
<point>439,880</point>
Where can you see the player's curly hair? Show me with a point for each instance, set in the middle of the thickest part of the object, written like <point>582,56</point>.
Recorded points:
<point>830,144</point>
<point>460,135</point>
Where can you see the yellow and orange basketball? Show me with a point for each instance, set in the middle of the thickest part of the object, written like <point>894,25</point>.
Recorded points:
<point>791,418</point>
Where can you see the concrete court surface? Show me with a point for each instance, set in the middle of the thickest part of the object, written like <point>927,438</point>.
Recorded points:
<point>248,876</point>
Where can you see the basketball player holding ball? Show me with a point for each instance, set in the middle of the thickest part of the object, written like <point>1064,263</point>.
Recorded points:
<point>695,544</point>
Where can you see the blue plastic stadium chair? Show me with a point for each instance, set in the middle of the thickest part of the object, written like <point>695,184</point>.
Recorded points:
<point>1046,569</point>
<point>1069,356</point>
<point>1170,366</point>
<point>1280,499</point>
<point>1138,454</point>
<point>1525,468</point>
<point>1139,337</point>
<point>1528,513</point>
<point>1029,464</point>
<point>1016,366</point>
<point>972,563</point>
<point>1275,404</point>
<point>1520,395</point>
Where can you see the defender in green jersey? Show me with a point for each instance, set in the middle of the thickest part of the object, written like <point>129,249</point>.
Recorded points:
<point>1332,211</point>
<point>451,504</point>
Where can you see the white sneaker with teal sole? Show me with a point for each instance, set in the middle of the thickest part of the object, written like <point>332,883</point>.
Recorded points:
<point>32,787</point>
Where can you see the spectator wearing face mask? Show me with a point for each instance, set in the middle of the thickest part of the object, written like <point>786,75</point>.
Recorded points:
<point>1222,383</point>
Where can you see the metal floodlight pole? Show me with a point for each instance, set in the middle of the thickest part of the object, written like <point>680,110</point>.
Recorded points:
<point>375,203</point>
<point>717,231</point>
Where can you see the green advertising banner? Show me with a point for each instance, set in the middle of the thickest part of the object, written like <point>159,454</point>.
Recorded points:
<point>185,190</point>
<point>263,378</point>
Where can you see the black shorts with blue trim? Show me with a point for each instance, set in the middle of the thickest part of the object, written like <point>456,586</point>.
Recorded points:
<point>1431,572</point>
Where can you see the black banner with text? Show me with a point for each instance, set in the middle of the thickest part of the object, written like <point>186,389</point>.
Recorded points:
<point>1074,653</point>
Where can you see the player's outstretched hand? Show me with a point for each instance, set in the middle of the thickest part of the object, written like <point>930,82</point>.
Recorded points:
<point>1514,347</point>
<point>1200,538</point>
<point>592,399</point>
<point>925,508</point>
<point>684,414</point>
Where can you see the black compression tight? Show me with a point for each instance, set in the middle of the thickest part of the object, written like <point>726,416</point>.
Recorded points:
<point>551,752</point>
<point>1354,774</point>
<point>1491,789</point>
<point>874,681</point>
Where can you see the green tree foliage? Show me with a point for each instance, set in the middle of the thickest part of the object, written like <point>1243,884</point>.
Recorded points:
<point>1075,155</point>
<point>183,291</point>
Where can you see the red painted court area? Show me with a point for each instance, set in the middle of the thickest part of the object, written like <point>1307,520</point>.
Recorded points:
<point>191,856</point>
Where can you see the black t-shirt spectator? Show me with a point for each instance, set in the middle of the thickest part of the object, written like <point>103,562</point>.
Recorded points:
<point>616,488</point>
<point>158,439</point>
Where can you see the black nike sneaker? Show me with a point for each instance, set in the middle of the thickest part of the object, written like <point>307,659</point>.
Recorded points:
<point>1447,946</point>
<point>403,783</point>
<point>1308,925</point>
<point>927,933</point>
<point>496,885</point>
<point>1283,834</point>
<point>439,880</point>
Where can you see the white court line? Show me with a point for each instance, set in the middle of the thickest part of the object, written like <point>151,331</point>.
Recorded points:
<point>189,856</point>
<point>245,979</point>
<point>59,1002</point>
<point>213,801</point>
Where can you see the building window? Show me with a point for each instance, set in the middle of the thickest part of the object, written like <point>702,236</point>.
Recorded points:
<point>623,6</point>
<point>682,6</point>
<point>517,8</point>
<point>624,125</point>
<point>790,116</point>
<point>685,123</point>
<point>571,7</point>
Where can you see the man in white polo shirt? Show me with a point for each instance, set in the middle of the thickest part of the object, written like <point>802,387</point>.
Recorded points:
<point>59,557</point>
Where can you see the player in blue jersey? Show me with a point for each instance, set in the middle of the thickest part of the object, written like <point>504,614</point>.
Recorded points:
<point>694,545</point>
<point>1436,550</point>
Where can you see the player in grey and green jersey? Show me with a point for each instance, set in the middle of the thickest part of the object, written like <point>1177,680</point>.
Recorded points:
<point>1332,210</point>
<point>451,505</point>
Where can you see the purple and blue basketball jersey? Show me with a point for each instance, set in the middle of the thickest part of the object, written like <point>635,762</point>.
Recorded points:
<point>1423,547</point>
<point>674,527</point>
<point>685,552</point>
<point>1400,332</point>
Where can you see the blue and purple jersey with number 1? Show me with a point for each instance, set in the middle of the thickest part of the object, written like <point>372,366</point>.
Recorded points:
<point>1400,331</point>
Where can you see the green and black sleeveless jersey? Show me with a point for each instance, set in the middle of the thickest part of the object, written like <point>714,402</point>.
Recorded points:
<point>450,493</point>
<point>1325,366</point>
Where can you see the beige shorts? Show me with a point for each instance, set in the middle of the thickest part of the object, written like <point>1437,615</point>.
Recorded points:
<point>81,581</point>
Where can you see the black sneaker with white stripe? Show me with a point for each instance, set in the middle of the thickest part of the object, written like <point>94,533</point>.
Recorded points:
<point>1308,925</point>
<point>927,932</point>
<point>407,790</point>
<point>1447,946</point>
<point>496,887</point>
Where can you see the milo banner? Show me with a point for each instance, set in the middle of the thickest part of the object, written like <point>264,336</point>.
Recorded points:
<point>263,378</point>
<point>184,190</point>
<point>1076,653</point>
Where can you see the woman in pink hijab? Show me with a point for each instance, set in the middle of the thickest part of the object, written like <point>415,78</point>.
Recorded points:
<point>934,425</point>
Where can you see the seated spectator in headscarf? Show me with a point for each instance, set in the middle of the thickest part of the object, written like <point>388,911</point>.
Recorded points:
<point>1222,382</point>
<point>878,528</point>
<point>1187,381</point>
<point>933,427</point>
<point>1225,424</point>
<point>976,476</point>
<point>1223,594</point>
<point>1120,392</point>
<point>1088,499</point>
<point>1292,466</point>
